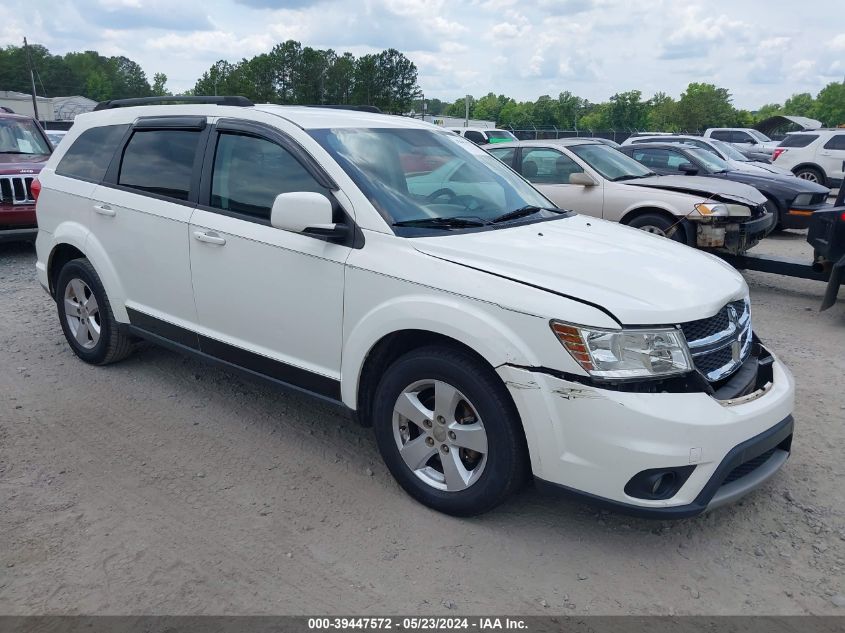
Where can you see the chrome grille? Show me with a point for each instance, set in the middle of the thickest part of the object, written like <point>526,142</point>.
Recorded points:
<point>16,190</point>
<point>721,343</point>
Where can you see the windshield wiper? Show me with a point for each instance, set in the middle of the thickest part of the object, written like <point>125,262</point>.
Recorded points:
<point>522,212</point>
<point>14,151</point>
<point>442,223</point>
<point>631,177</point>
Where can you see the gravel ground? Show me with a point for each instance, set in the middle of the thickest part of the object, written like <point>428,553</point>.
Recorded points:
<point>160,486</point>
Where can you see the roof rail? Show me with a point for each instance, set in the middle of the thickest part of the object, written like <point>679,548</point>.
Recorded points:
<point>359,108</point>
<point>211,100</point>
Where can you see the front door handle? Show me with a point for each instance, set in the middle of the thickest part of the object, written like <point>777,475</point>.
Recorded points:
<point>104,209</point>
<point>209,238</point>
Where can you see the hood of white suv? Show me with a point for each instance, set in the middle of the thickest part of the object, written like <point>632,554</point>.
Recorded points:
<point>642,279</point>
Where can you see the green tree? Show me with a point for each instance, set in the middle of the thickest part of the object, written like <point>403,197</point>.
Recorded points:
<point>801,104</point>
<point>662,113</point>
<point>830,104</point>
<point>627,111</point>
<point>704,105</point>
<point>160,85</point>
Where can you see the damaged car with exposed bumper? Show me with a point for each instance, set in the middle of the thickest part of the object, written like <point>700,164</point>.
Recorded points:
<point>594,179</point>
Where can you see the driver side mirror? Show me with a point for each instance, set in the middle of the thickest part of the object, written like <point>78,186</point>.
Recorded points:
<point>688,168</point>
<point>308,213</point>
<point>582,178</point>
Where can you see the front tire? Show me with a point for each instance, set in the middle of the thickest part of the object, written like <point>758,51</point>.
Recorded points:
<point>86,316</point>
<point>449,432</point>
<point>661,225</point>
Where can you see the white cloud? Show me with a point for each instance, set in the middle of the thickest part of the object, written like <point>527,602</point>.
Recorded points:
<point>522,48</point>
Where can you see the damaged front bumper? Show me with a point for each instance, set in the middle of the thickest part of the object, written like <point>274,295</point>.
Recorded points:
<point>599,442</point>
<point>733,236</point>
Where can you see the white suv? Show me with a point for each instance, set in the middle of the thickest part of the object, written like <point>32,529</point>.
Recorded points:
<point>815,155</point>
<point>484,334</point>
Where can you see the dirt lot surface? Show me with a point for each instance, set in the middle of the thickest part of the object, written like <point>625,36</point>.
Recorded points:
<point>161,486</point>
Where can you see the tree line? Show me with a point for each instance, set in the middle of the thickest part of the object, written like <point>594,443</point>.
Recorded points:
<point>700,106</point>
<point>81,73</point>
<point>291,73</point>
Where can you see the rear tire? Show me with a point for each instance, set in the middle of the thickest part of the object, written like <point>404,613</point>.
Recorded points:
<point>811,174</point>
<point>659,224</point>
<point>86,316</point>
<point>448,431</point>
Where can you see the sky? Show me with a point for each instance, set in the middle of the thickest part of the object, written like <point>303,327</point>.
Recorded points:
<point>762,52</point>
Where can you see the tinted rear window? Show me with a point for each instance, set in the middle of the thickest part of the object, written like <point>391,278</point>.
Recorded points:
<point>836,142</point>
<point>160,162</point>
<point>798,140</point>
<point>89,156</point>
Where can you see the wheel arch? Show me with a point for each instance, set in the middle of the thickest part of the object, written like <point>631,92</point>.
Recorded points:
<point>632,214</point>
<point>73,241</point>
<point>814,166</point>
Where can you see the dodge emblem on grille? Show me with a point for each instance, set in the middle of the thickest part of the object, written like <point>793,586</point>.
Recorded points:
<point>732,315</point>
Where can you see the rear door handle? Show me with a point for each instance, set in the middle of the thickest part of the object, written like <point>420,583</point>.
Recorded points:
<point>104,209</point>
<point>209,238</point>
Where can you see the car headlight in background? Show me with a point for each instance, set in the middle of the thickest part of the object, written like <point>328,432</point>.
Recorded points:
<point>803,199</point>
<point>621,354</point>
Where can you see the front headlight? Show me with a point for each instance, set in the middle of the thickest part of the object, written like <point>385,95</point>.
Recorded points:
<point>712,209</point>
<point>621,354</point>
<point>803,200</point>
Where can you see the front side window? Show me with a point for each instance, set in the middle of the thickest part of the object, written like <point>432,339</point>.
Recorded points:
<point>89,156</point>
<point>160,162</point>
<point>21,136</point>
<point>762,138</point>
<point>249,172</point>
<point>710,160</point>
<point>610,162</point>
<point>721,135</point>
<point>730,152</point>
<point>548,166</point>
<point>412,175</point>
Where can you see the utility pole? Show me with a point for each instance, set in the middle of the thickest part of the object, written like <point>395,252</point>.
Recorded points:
<point>466,115</point>
<point>31,78</point>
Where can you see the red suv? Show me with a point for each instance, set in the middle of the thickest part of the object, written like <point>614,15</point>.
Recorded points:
<point>24,148</point>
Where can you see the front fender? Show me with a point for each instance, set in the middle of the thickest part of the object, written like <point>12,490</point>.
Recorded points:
<point>477,327</point>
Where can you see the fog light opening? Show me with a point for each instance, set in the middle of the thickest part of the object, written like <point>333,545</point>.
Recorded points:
<point>658,483</point>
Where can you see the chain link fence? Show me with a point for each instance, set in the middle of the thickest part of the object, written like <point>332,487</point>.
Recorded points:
<point>533,133</point>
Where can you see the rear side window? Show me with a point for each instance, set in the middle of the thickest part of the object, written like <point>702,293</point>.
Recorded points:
<point>475,137</point>
<point>798,140</point>
<point>249,173</point>
<point>836,142</point>
<point>89,156</point>
<point>160,162</point>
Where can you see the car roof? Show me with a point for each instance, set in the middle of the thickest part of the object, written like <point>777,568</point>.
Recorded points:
<point>547,142</point>
<point>13,115</point>
<point>658,145</point>
<point>306,117</point>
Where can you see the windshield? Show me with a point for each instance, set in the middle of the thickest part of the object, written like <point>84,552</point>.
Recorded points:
<point>729,151</point>
<point>425,176</point>
<point>609,162</point>
<point>500,136</point>
<point>19,136</point>
<point>710,160</point>
<point>760,136</point>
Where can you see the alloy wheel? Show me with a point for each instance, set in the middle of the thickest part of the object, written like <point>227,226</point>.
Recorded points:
<point>440,435</point>
<point>82,313</point>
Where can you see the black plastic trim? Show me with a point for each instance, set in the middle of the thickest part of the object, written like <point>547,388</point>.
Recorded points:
<point>778,434</point>
<point>186,340</point>
<point>170,122</point>
<point>208,100</point>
